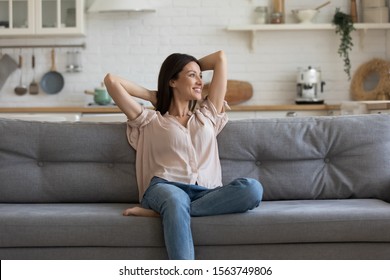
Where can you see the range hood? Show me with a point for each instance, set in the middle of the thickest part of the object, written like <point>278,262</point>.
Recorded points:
<point>104,6</point>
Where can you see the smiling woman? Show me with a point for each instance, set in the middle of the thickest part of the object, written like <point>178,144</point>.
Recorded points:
<point>177,163</point>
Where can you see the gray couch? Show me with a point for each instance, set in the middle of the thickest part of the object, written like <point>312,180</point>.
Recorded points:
<point>326,181</point>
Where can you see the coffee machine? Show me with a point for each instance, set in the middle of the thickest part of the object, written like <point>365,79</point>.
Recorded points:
<point>310,87</point>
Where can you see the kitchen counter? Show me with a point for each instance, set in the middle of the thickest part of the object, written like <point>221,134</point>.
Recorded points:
<point>371,105</point>
<point>114,109</point>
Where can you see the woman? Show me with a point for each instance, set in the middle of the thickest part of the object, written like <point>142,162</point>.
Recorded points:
<point>177,162</point>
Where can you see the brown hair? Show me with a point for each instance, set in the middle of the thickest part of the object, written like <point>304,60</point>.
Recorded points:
<point>170,70</point>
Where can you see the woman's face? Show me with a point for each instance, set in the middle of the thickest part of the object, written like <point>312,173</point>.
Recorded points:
<point>188,86</point>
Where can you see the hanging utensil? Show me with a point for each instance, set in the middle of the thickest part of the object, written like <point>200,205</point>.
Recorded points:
<point>20,89</point>
<point>7,66</point>
<point>322,5</point>
<point>52,82</point>
<point>33,88</point>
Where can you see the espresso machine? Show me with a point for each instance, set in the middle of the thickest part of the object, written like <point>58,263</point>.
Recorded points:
<point>310,87</point>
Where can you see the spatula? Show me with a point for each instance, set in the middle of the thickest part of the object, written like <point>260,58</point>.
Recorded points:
<point>34,87</point>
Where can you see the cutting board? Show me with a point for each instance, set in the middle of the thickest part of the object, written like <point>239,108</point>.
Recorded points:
<point>237,91</point>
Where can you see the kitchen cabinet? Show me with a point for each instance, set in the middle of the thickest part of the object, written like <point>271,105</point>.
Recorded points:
<point>41,17</point>
<point>16,17</point>
<point>115,117</point>
<point>281,111</point>
<point>46,117</point>
<point>278,114</point>
<point>114,114</point>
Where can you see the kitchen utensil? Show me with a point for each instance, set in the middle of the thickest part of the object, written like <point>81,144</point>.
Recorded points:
<point>52,82</point>
<point>73,61</point>
<point>278,10</point>
<point>100,95</point>
<point>310,87</point>
<point>7,66</point>
<point>33,88</point>
<point>236,93</point>
<point>322,5</point>
<point>354,12</point>
<point>20,89</point>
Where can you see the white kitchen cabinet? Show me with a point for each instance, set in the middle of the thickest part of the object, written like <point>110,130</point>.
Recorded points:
<point>235,115</point>
<point>17,17</point>
<point>41,17</point>
<point>115,117</point>
<point>59,17</point>
<point>46,117</point>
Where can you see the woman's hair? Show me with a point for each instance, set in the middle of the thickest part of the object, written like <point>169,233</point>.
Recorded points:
<point>170,70</point>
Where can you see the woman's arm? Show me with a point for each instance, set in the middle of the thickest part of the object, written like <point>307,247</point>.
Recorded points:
<point>217,89</point>
<point>123,91</point>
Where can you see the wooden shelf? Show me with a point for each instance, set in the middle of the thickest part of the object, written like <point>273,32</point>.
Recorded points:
<point>254,28</point>
<point>301,26</point>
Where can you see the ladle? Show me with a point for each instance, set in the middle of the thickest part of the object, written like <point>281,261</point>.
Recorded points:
<point>322,5</point>
<point>20,89</point>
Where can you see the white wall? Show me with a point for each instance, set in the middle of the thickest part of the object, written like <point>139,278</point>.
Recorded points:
<point>135,44</point>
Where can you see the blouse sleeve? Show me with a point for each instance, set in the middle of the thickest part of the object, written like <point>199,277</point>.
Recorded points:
<point>135,126</point>
<point>219,120</point>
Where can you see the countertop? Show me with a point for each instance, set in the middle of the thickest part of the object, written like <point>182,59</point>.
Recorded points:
<point>114,109</point>
<point>371,105</point>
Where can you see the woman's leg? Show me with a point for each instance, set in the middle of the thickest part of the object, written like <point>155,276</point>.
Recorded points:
<point>173,204</point>
<point>238,196</point>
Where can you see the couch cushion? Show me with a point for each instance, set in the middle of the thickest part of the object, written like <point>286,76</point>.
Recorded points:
<point>102,224</point>
<point>65,162</point>
<point>312,157</point>
<point>89,225</point>
<point>299,221</point>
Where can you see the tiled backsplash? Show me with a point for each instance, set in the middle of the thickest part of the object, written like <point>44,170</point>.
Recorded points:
<point>135,44</point>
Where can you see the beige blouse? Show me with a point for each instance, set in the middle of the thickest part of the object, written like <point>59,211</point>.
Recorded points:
<point>167,149</point>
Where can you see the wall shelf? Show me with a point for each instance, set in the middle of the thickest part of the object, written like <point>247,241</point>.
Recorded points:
<point>254,28</point>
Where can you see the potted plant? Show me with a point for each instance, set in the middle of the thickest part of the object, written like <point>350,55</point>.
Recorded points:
<point>344,27</point>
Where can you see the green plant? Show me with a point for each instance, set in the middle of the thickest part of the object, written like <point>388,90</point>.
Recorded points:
<point>344,27</point>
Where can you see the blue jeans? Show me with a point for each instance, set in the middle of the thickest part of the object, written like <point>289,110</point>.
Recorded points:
<point>177,202</point>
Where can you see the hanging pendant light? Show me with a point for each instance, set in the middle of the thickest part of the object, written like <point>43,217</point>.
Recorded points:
<point>104,6</point>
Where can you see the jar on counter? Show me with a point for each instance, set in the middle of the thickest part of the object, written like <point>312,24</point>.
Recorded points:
<point>279,9</point>
<point>277,18</point>
<point>261,15</point>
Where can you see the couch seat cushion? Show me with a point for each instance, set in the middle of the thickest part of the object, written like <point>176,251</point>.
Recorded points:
<point>299,221</point>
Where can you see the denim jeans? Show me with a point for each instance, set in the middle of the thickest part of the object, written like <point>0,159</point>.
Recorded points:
<point>177,202</point>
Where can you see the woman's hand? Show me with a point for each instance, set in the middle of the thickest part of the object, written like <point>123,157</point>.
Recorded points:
<point>122,92</point>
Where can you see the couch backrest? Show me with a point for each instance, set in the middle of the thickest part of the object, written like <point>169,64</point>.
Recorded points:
<point>311,158</point>
<point>65,162</point>
<point>294,158</point>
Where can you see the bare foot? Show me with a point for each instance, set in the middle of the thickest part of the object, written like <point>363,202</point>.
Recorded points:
<point>139,211</point>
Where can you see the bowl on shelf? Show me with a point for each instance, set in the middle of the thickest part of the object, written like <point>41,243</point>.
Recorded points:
<point>305,15</point>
